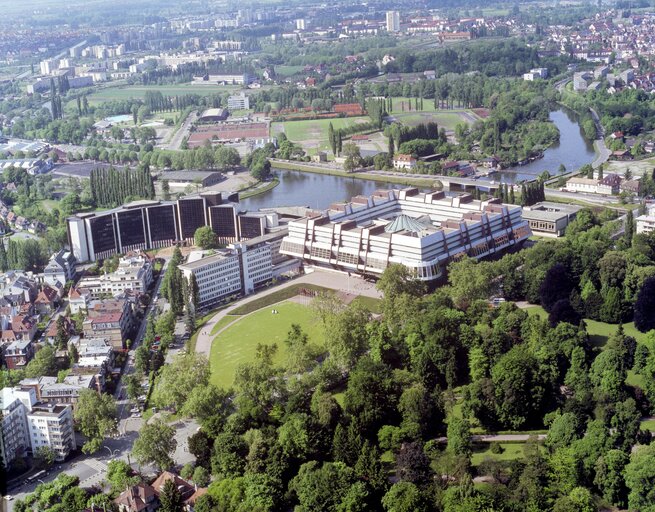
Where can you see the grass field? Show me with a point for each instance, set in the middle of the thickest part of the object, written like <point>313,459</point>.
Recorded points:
<point>139,91</point>
<point>447,120</point>
<point>238,343</point>
<point>288,70</point>
<point>511,451</point>
<point>599,332</point>
<point>315,129</point>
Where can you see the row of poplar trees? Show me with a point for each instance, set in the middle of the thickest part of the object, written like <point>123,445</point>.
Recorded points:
<point>111,187</point>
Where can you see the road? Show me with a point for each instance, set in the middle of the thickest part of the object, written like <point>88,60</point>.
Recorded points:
<point>178,137</point>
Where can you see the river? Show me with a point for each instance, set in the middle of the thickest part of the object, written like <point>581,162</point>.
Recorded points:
<point>298,188</point>
<point>572,150</point>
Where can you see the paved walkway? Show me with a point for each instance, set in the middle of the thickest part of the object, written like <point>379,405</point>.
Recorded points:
<point>339,281</point>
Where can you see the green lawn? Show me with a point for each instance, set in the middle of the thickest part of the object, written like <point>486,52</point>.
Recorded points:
<point>511,451</point>
<point>224,322</point>
<point>315,129</point>
<point>599,332</point>
<point>647,425</point>
<point>139,91</point>
<point>372,304</point>
<point>448,120</point>
<point>288,70</point>
<point>238,343</point>
<point>272,298</point>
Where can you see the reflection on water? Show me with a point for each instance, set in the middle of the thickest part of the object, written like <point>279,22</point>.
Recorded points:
<point>320,190</point>
<point>313,190</point>
<point>572,150</point>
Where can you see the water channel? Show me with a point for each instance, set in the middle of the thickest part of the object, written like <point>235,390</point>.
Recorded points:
<point>320,190</point>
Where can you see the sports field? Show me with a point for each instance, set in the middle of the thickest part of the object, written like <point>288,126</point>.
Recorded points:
<point>238,343</point>
<point>315,129</point>
<point>139,91</point>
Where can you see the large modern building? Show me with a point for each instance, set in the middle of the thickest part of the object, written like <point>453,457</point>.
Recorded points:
<point>424,232</point>
<point>393,21</point>
<point>144,225</point>
<point>28,425</point>
<point>550,218</point>
<point>134,272</point>
<point>239,269</point>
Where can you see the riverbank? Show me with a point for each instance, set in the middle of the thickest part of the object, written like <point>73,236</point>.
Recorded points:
<point>399,178</point>
<point>259,188</point>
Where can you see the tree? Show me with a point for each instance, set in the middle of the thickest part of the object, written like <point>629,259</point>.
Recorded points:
<point>44,457</point>
<point>4,265</point>
<point>404,497</point>
<point>640,479</point>
<point>178,379</point>
<point>171,498</point>
<point>332,140</point>
<point>412,465</point>
<point>645,305</point>
<point>96,417</point>
<point>609,477</point>
<point>322,487</point>
<point>61,340</point>
<point>194,292</point>
<point>200,477</point>
<point>353,156</point>
<point>556,286</point>
<point>459,436</point>
<point>142,358</point>
<point>165,190</point>
<point>155,444</point>
<point>120,475</point>
<point>205,238</point>
<point>44,363</point>
<point>469,281</point>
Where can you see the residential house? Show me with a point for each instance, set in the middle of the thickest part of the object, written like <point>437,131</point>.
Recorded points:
<point>610,184</point>
<point>78,299</point>
<point>586,185</point>
<point>631,186</point>
<point>18,354</point>
<point>111,319</point>
<point>401,161</point>
<point>24,327</point>
<point>137,498</point>
<point>60,268</point>
<point>186,490</point>
<point>134,272</point>
<point>47,301</point>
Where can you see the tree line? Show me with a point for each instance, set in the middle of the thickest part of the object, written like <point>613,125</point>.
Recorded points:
<point>111,187</point>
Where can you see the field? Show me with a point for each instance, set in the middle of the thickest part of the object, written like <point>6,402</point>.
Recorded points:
<point>315,129</point>
<point>511,451</point>
<point>599,332</point>
<point>288,70</point>
<point>448,120</point>
<point>139,91</point>
<point>238,343</point>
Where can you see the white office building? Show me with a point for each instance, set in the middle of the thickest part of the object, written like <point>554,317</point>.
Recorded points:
<point>239,269</point>
<point>28,425</point>
<point>646,223</point>
<point>393,21</point>
<point>424,232</point>
<point>134,272</point>
<point>238,102</point>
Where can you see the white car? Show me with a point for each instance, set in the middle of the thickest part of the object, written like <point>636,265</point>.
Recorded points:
<point>9,497</point>
<point>136,415</point>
